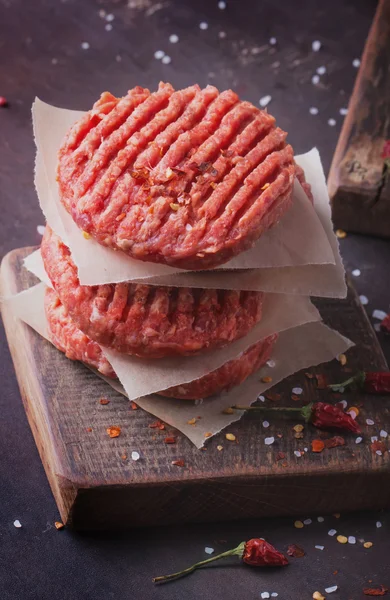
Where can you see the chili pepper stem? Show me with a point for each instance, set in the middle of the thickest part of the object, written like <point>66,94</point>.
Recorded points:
<point>235,551</point>
<point>355,379</point>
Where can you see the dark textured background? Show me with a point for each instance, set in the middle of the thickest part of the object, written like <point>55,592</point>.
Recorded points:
<point>40,43</point>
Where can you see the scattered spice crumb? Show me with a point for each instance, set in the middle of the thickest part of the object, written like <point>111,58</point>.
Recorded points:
<point>86,235</point>
<point>298,524</point>
<point>342,539</point>
<point>342,359</point>
<point>104,401</point>
<point>298,428</point>
<point>192,421</point>
<point>58,525</point>
<point>295,397</point>
<point>336,515</point>
<point>230,436</point>
<point>318,596</point>
<point>335,441</point>
<point>309,375</point>
<point>317,445</point>
<point>89,429</point>
<point>353,411</point>
<point>114,431</point>
<point>228,411</point>
<point>124,457</point>
<point>157,425</point>
<point>133,405</point>
<point>368,544</point>
<point>381,591</point>
<point>341,234</point>
<point>266,379</point>
<point>219,448</point>
<point>295,551</point>
<point>280,456</point>
<point>3,102</point>
<point>178,463</point>
<point>170,440</point>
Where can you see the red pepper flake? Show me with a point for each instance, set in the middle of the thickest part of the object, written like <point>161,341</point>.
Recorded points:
<point>381,591</point>
<point>157,425</point>
<point>104,401</point>
<point>124,456</point>
<point>337,440</point>
<point>295,551</point>
<point>89,429</point>
<point>322,382</point>
<point>178,463</point>
<point>3,102</point>
<point>317,445</point>
<point>170,440</point>
<point>273,397</point>
<point>385,324</point>
<point>59,525</point>
<point>378,445</point>
<point>133,405</point>
<point>280,456</point>
<point>295,397</point>
<point>114,431</point>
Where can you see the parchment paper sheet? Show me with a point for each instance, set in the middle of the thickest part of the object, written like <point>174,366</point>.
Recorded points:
<point>297,348</point>
<point>302,237</point>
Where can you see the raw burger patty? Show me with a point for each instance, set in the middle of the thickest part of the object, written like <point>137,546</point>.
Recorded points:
<point>189,178</point>
<point>147,320</point>
<point>66,336</point>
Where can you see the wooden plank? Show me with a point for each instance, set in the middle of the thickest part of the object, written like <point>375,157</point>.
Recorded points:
<point>359,181</point>
<point>95,488</point>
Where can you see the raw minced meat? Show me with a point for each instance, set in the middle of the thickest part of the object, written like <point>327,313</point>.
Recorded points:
<point>150,321</point>
<point>189,178</point>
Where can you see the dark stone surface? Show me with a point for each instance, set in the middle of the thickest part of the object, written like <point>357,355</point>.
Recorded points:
<point>36,561</point>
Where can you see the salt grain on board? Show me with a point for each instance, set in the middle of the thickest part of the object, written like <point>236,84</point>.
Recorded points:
<point>313,110</point>
<point>321,70</point>
<point>379,452</point>
<point>332,532</point>
<point>269,440</point>
<point>222,35</point>
<point>370,422</point>
<point>356,272</point>
<point>358,440</point>
<point>343,111</point>
<point>108,27</point>
<point>363,300</point>
<point>331,589</point>
<point>265,594</point>
<point>110,17</point>
<point>209,550</point>
<point>383,433</point>
<point>264,101</point>
<point>135,456</point>
<point>274,595</point>
<point>166,60</point>
<point>316,45</point>
<point>374,438</point>
<point>173,38</point>
<point>351,539</point>
<point>297,391</point>
<point>297,453</point>
<point>319,547</point>
<point>265,424</point>
<point>378,524</point>
<point>377,327</point>
<point>221,5</point>
<point>320,519</point>
<point>315,79</point>
<point>17,524</point>
<point>272,41</point>
<point>343,403</point>
<point>203,25</point>
<point>271,363</point>
<point>307,522</point>
<point>159,54</point>
<point>379,314</point>
<point>85,45</point>
<point>356,63</point>
<point>261,398</point>
<point>41,229</point>
<point>331,122</point>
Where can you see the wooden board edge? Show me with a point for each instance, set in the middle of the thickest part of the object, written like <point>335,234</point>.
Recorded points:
<point>30,391</point>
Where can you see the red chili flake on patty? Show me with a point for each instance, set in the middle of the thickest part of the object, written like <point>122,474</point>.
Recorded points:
<point>114,431</point>
<point>157,425</point>
<point>133,405</point>
<point>178,463</point>
<point>295,551</point>
<point>378,445</point>
<point>170,440</point>
<point>273,397</point>
<point>89,429</point>
<point>337,440</point>
<point>280,456</point>
<point>104,401</point>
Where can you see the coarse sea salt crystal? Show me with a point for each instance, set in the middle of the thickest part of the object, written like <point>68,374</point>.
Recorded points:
<point>85,45</point>
<point>363,300</point>
<point>222,35</point>
<point>319,547</point>
<point>221,5</point>
<point>383,433</point>
<point>378,452</point>
<point>331,122</point>
<point>110,17</point>
<point>159,54</point>
<point>351,539</point>
<point>313,110</point>
<point>203,25</point>
<point>297,453</point>
<point>370,422</point>
<point>307,522</point>
<point>379,314</point>
<point>378,524</point>
<point>135,456</point>
<point>269,440</point>
<point>166,60</point>
<point>316,45</point>
<point>265,424</point>
<point>356,63</point>
<point>264,101</point>
<point>209,550</point>
<point>343,111</point>
<point>108,27</point>
<point>315,79</point>
<point>265,594</point>
<point>331,589</point>
<point>358,440</point>
<point>41,229</point>
<point>320,519</point>
<point>173,38</point>
<point>271,363</point>
<point>17,524</point>
<point>272,41</point>
<point>332,532</point>
<point>356,272</point>
<point>374,438</point>
<point>297,391</point>
<point>261,398</point>
<point>321,70</point>
<point>377,327</point>
<point>343,403</point>
<point>274,595</point>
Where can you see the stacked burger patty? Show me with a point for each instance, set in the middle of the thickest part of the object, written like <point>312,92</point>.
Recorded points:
<point>187,178</point>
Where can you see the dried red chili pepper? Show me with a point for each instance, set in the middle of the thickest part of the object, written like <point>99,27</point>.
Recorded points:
<point>371,382</point>
<point>256,552</point>
<point>381,591</point>
<point>319,414</point>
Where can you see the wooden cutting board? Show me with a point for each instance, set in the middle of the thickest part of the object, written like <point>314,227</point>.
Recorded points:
<point>97,485</point>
